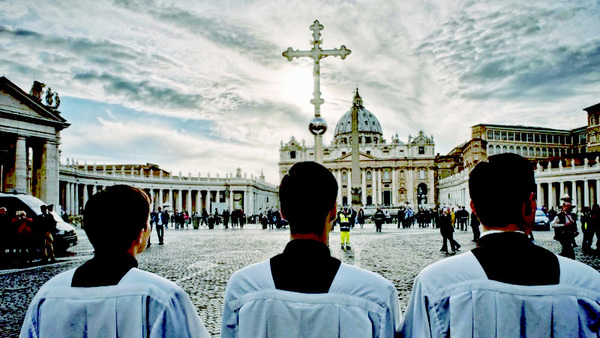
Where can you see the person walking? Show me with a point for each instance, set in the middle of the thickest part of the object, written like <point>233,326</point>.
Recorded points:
<point>379,218</point>
<point>565,228</point>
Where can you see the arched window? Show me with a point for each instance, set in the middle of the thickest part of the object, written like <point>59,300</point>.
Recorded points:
<point>504,149</point>
<point>538,152</point>
<point>490,150</point>
<point>498,151</point>
<point>531,153</point>
<point>544,152</point>
<point>518,150</point>
<point>511,149</point>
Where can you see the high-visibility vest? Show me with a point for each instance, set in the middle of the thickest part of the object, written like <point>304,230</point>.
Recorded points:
<point>344,218</point>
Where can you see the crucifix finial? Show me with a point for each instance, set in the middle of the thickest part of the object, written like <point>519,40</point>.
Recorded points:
<point>317,126</point>
<point>316,27</point>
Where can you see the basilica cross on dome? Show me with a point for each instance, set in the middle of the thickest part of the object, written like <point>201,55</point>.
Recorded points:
<point>317,126</point>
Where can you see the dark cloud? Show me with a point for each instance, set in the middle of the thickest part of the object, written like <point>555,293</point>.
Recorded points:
<point>141,91</point>
<point>512,52</point>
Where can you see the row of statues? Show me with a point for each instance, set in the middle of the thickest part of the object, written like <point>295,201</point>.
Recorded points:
<point>52,98</point>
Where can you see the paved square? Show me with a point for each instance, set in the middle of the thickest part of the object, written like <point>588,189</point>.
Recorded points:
<point>201,262</point>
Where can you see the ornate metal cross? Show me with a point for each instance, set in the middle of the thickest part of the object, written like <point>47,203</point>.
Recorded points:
<point>317,126</point>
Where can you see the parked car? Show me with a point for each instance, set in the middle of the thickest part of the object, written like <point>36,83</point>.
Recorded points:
<point>541,221</point>
<point>65,236</point>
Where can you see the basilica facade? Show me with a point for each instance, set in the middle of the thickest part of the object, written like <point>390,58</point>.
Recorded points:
<point>393,173</point>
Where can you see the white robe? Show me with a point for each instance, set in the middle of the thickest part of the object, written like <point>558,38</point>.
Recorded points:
<point>359,304</point>
<point>455,297</point>
<point>141,305</point>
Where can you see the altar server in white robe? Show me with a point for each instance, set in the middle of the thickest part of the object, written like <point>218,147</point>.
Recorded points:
<point>108,296</point>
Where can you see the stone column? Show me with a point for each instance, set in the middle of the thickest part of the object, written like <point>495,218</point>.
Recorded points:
<point>21,165</point>
<point>85,194</point>
<point>68,197</point>
<point>374,186</point>
<point>230,199</point>
<point>410,187</point>
<point>179,200</point>
<point>338,176</point>
<point>551,196</point>
<point>199,202</point>
<point>161,199</point>
<point>574,193</point>
<point>94,189</point>
<point>189,202</point>
<point>394,188</point>
<point>539,194</point>
<point>586,194</point>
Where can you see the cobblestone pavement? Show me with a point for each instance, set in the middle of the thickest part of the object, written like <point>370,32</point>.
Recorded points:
<point>201,261</point>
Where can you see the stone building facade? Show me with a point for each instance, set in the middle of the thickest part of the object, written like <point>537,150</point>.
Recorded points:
<point>29,141</point>
<point>393,173</point>
<point>566,161</point>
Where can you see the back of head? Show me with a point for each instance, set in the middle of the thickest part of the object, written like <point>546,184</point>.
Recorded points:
<point>499,187</point>
<point>114,217</point>
<point>307,193</point>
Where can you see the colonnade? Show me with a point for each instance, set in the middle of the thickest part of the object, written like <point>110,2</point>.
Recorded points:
<point>191,194</point>
<point>581,183</point>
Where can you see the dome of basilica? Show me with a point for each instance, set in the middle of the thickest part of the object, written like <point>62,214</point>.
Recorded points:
<point>367,122</point>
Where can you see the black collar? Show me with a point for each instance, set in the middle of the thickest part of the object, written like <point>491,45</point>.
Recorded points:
<point>305,266</point>
<point>510,257</point>
<point>103,270</point>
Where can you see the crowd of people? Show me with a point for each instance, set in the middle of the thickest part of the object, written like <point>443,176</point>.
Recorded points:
<point>28,237</point>
<point>506,287</point>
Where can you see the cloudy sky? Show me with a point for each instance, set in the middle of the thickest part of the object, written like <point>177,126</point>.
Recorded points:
<point>201,86</point>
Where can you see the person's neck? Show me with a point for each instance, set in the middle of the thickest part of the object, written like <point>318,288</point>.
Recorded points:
<point>507,228</point>
<point>315,237</point>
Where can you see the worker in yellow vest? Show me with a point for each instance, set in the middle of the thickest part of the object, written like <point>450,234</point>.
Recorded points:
<point>345,229</point>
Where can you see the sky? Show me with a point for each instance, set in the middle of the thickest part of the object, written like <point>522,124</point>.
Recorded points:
<point>202,87</point>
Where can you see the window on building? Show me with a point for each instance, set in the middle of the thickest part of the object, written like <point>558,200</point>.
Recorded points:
<point>369,176</point>
<point>421,150</point>
<point>497,135</point>
<point>511,149</point>
<point>344,175</point>
<point>511,136</point>
<point>531,152</point>
<point>292,154</point>
<point>498,150</point>
<point>517,136</point>
<point>504,149</point>
<point>368,152</point>
<point>544,152</point>
<point>386,175</point>
<point>490,150</point>
<point>221,196</point>
<point>490,135</point>
<point>367,140</point>
<point>503,136</point>
<point>422,174</point>
<point>518,150</point>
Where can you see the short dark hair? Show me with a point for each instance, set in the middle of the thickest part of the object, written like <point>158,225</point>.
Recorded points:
<point>499,187</point>
<point>114,217</point>
<point>307,193</point>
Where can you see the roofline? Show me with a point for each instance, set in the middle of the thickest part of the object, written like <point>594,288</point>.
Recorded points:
<point>594,107</point>
<point>526,127</point>
<point>37,106</point>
